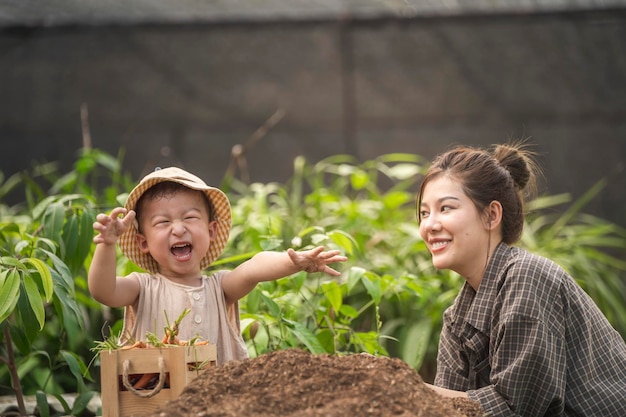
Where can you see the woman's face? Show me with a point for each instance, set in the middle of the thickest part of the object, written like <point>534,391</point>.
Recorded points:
<point>453,230</point>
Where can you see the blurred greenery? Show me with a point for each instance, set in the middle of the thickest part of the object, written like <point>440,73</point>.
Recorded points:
<point>389,299</point>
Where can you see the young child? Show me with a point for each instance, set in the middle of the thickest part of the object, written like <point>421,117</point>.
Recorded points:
<point>174,226</point>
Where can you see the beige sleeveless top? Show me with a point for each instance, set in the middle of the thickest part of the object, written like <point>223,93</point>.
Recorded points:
<point>209,318</point>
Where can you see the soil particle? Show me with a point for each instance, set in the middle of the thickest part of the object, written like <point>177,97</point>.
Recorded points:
<point>294,383</point>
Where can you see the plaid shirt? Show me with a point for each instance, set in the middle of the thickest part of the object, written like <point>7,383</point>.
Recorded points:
<point>531,342</point>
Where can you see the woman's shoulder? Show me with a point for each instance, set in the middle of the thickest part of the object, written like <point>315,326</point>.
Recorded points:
<point>532,267</point>
<point>533,286</point>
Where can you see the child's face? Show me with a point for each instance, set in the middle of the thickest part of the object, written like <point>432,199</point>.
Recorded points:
<point>176,231</point>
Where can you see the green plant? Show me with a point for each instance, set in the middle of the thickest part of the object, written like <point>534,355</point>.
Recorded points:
<point>391,299</point>
<point>38,298</point>
<point>45,244</point>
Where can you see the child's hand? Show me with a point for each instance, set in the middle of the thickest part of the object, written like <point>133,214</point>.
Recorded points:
<point>111,227</point>
<point>316,260</point>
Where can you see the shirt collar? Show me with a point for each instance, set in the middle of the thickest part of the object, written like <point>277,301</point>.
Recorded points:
<point>479,311</point>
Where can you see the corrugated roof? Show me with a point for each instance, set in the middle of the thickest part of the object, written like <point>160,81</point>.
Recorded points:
<point>102,12</point>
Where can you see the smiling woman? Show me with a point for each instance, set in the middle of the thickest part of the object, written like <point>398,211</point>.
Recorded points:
<point>522,338</point>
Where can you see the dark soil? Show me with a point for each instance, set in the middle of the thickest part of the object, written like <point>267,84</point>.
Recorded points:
<point>292,383</point>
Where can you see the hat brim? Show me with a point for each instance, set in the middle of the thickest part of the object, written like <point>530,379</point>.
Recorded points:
<point>222,216</point>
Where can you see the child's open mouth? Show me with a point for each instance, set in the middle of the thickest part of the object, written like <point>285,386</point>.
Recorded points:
<point>181,251</point>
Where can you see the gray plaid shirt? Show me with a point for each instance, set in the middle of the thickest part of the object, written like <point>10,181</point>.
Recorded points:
<point>531,342</point>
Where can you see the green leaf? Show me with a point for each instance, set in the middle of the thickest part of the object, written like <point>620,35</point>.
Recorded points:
<point>305,336</point>
<point>349,311</point>
<point>9,292</point>
<point>81,402</point>
<point>326,340</point>
<point>35,300</point>
<point>85,235</point>
<point>70,237</point>
<point>403,171</point>
<point>64,404</point>
<point>20,340</point>
<point>372,287</point>
<point>415,343</point>
<point>42,404</point>
<point>354,276</point>
<point>332,291</point>
<point>53,219</point>
<point>67,308</point>
<point>274,309</point>
<point>253,300</point>
<point>359,179</point>
<point>62,269</point>
<point>75,367</point>
<point>9,261</point>
<point>343,240</point>
<point>44,275</point>
<point>25,316</point>
<point>396,199</point>
<point>41,207</point>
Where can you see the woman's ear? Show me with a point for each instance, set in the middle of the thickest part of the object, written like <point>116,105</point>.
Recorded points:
<point>494,215</point>
<point>142,243</point>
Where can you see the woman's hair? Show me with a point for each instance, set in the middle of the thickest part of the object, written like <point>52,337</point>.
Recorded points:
<point>505,173</point>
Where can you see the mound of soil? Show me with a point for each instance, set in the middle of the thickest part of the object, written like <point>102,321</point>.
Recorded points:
<point>292,383</point>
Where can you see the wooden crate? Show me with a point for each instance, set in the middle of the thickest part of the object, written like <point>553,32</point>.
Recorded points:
<point>174,362</point>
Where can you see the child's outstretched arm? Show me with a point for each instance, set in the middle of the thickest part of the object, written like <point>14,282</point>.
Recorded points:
<point>269,266</point>
<point>104,285</point>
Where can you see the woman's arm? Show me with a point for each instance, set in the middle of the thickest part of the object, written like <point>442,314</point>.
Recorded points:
<point>448,392</point>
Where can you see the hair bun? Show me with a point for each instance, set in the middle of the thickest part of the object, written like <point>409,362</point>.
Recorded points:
<point>517,161</point>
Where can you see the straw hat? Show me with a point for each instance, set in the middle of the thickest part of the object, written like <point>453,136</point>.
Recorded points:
<point>128,241</point>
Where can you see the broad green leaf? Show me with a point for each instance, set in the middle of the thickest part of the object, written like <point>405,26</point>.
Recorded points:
<point>35,300</point>
<point>273,308</point>
<point>70,237</point>
<point>9,261</point>
<point>20,340</point>
<point>354,276</point>
<point>62,269</point>
<point>81,402</point>
<point>26,317</point>
<point>253,300</point>
<point>395,199</point>
<point>9,292</point>
<point>415,342</point>
<point>53,219</point>
<point>343,240</point>
<point>64,404</point>
<point>85,235</point>
<point>75,367</point>
<point>359,179</point>
<point>373,287</point>
<point>42,404</point>
<point>305,336</point>
<point>44,275</point>
<point>41,207</point>
<point>326,340</point>
<point>349,311</point>
<point>20,246</point>
<point>332,291</point>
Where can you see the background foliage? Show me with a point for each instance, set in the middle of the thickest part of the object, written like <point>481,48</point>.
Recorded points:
<point>388,301</point>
